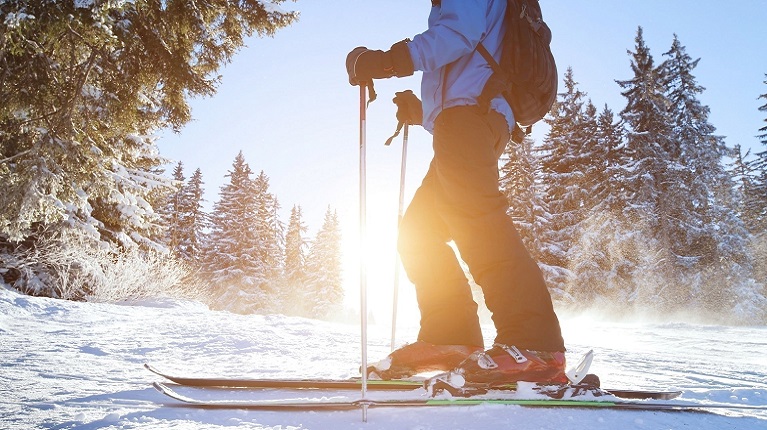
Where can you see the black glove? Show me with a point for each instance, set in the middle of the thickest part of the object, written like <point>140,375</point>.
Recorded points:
<point>364,65</point>
<point>409,111</point>
<point>409,108</point>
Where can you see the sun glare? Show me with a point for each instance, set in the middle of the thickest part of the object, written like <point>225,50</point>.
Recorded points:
<point>381,263</point>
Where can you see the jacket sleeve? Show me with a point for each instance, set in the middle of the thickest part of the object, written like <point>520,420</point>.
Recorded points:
<point>455,29</point>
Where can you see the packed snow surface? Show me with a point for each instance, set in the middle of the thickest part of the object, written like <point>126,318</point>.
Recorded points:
<point>69,365</point>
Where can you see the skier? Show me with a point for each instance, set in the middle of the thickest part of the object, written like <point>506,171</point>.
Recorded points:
<point>459,200</point>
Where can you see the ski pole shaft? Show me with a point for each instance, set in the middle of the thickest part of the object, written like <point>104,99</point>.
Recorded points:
<point>400,212</point>
<point>363,244</point>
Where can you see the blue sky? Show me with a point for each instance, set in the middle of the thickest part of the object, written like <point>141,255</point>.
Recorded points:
<point>286,103</point>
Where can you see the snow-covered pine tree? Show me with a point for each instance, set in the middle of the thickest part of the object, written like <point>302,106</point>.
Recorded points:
<point>755,206</point>
<point>295,250</point>
<point>606,230</point>
<point>291,287</point>
<point>707,235</point>
<point>649,150</point>
<point>610,141</point>
<point>757,198</point>
<point>517,181</point>
<point>171,211</point>
<point>269,229</point>
<point>194,220</point>
<point>237,274</point>
<point>323,292</point>
<point>562,159</point>
<point>742,173</point>
<point>85,86</point>
<point>699,173</point>
<point>587,259</point>
<point>527,207</point>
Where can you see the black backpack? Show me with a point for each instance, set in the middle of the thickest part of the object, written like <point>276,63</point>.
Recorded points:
<point>527,76</point>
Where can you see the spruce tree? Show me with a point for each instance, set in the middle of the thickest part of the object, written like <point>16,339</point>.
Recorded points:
<point>587,259</point>
<point>295,250</point>
<point>520,183</point>
<point>293,284</point>
<point>194,220</point>
<point>649,145</point>
<point>697,166</point>
<point>741,172</point>
<point>609,142</point>
<point>757,198</point>
<point>649,153</point>
<point>708,234</point>
<point>85,86</point>
<point>172,212</point>
<point>323,293</point>
<point>561,167</point>
<point>233,265</point>
<point>268,228</point>
<point>519,186</point>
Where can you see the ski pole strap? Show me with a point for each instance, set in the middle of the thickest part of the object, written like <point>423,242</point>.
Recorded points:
<point>371,92</point>
<point>396,133</point>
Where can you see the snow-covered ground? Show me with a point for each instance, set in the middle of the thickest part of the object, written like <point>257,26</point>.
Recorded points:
<point>68,365</point>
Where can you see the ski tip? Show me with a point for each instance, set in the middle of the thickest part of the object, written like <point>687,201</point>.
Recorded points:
<point>159,386</point>
<point>152,369</point>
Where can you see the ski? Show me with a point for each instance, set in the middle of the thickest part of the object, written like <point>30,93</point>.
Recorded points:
<point>355,384</point>
<point>336,405</point>
<point>338,384</point>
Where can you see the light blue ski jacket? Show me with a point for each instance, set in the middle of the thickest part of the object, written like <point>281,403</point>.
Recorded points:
<point>453,72</point>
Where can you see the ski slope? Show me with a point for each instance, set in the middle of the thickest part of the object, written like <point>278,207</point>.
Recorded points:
<point>68,365</point>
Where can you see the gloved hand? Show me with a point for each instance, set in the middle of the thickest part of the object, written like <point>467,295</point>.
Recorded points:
<point>363,65</point>
<point>409,108</point>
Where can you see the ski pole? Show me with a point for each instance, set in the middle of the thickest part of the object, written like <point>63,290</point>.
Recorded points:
<point>400,213</point>
<point>363,243</point>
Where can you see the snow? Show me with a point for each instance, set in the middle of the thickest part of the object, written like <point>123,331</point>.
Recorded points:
<point>80,365</point>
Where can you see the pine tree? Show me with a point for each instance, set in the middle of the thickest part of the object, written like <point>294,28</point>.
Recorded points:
<point>707,230</point>
<point>561,169</point>
<point>610,143</point>
<point>587,254</point>
<point>757,198</point>
<point>172,212</point>
<point>648,152</point>
<point>295,250</point>
<point>520,184</point>
<point>323,293</point>
<point>697,166</point>
<point>233,264</point>
<point>269,229</point>
<point>649,146</point>
<point>194,220</point>
<point>292,287</point>
<point>85,86</point>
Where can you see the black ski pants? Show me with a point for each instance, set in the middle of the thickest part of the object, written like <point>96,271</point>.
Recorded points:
<point>460,200</point>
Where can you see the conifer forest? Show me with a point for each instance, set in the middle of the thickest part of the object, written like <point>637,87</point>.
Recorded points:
<point>631,207</point>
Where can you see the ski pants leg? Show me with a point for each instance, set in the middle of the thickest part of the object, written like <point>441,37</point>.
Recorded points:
<point>460,200</point>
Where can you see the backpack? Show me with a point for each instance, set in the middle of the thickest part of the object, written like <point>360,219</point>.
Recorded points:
<point>527,75</point>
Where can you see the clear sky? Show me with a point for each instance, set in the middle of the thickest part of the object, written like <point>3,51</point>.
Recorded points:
<point>286,102</point>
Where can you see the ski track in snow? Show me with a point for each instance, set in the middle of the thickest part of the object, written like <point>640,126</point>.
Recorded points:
<point>69,365</point>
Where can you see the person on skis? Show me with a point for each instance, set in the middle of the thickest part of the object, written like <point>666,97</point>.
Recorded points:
<point>459,200</point>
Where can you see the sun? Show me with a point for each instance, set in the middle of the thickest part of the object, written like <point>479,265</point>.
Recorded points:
<point>381,262</point>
